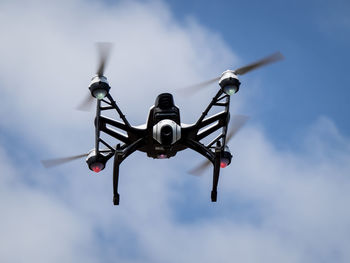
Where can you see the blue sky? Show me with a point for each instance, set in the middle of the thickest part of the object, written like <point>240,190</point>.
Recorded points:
<point>283,199</point>
<point>313,36</point>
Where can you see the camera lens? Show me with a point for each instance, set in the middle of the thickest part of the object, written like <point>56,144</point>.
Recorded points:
<point>166,134</point>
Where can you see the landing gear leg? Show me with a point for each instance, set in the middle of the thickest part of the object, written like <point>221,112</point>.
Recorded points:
<point>216,174</point>
<point>116,196</point>
<point>116,199</point>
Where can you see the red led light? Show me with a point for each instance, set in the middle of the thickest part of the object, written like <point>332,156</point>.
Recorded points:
<point>223,163</point>
<point>97,167</point>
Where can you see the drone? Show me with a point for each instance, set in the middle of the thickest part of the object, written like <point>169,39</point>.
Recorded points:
<point>163,135</point>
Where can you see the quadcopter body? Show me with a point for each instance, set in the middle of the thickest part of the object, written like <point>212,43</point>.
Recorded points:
<point>163,135</point>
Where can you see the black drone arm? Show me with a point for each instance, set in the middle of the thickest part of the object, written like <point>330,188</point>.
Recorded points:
<point>217,117</point>
<point>207,126</point>
<point>120,130</point>
<point>129,149</point>
<point>102,123</point>
<point>115,106</point>
<point>200,148</point>
<point>221,122</point>
<point>131,137</point>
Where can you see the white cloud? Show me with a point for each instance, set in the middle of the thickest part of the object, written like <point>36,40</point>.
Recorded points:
<point>50,58</point>
<point>36,226</point>
<point>274,205</point>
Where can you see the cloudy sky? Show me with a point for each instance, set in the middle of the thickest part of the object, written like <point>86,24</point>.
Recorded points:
<point>283,199</point>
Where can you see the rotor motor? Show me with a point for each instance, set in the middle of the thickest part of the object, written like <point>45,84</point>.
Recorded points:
<point>99,87</point>
<point>96,162</point>
<point>226,157</point>
<point>229,82</point>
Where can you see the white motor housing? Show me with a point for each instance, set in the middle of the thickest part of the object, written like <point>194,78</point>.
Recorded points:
<point>229,82</point>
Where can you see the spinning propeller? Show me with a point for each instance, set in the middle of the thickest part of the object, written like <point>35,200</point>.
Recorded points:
<point>237,123</point>
<point>240,71</point>
<point>104,50</point>
<point>58,161</point>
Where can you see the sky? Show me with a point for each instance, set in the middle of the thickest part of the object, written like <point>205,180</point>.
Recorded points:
<point>313,37</point>
<point>285,196</point>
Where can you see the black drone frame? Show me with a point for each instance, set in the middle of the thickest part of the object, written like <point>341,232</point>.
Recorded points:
<point>136,138</point>
<point>156,139</point>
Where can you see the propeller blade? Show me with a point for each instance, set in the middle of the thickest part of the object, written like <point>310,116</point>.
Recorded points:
<point>54,162</point>
<point>240,71</point>
<point>237,122</point>
<point>104,50</point>
<point>265,61</point>
<point>58,161</point>
<point>198,170</point>
<point>195,88</point>
<point>87,103</point>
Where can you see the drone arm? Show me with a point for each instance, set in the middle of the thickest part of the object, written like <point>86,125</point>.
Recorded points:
<point>215,140</point>
<point>114,123</point>
<point>115,134</point>
<point>209,131</point>
<point>211,104</point>
<point>219,100</point>
<point>115,106</point>
<point>220,117</point>
<point>217,117</point>
<point>103,123</point>
<point>132,148</point>
<point>200,148</point>
<point>197,133</point>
